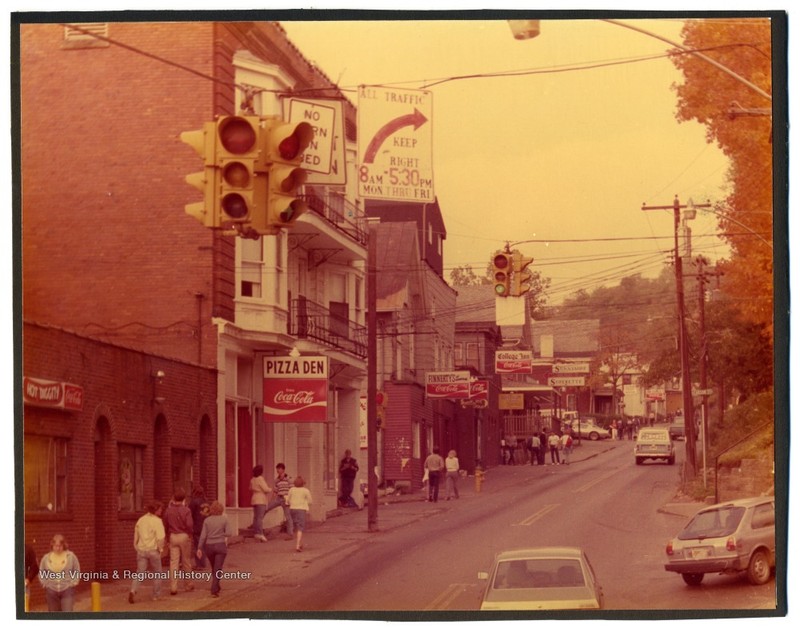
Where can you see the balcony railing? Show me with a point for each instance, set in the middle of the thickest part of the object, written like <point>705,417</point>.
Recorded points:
<point>338,211</point>
<point>308,320</point>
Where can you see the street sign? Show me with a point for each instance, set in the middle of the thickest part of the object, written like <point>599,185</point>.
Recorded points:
<point>324,159</point>
<point>570,367</point>
<point>574,381</point>
<point>395,144</point>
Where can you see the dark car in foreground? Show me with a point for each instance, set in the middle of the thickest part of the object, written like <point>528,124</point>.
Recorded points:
<point>544,578</point>
<point>726,538</point>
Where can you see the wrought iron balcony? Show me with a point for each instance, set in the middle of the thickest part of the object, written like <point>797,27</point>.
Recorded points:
<point>338,211</point>
<point>309,320</point>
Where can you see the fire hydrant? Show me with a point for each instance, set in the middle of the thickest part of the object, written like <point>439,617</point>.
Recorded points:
<point>479,474</point>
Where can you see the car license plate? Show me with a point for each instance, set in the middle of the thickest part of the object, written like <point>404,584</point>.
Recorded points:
<point>699,553</point>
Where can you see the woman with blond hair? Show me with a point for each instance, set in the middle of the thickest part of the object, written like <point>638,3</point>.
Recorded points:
<point>59,574</point>
<point>451,467</point>
<point>299,499</point>
<point>214,542</point>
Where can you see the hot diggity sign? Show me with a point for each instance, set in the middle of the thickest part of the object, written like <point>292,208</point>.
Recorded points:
<point>295,389</point>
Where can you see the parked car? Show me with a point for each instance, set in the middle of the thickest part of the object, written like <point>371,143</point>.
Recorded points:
<point>726,538</point>
<point>541,578</point>
<point>677,429</point>
<point>654,443</point>
<point>585,429</point>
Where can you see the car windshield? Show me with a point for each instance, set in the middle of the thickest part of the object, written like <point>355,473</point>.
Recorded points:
<point>713,523</point>
<point>538,573</point>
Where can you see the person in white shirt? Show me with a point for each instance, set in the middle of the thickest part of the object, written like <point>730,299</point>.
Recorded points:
<point>451,468</point>
<point>554,441</point>
<point>566,446</point>
<point>148,540</point>
<point>299,499</point>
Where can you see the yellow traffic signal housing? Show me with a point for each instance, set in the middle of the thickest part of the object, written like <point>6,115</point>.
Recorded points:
<point>501,273</point>
<point>202,141</point>
<point>282,153</point>
<point>521,276</point>
<point>237,153</point>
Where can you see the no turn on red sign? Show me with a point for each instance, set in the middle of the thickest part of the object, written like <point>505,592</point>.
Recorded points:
<point>395,144</point>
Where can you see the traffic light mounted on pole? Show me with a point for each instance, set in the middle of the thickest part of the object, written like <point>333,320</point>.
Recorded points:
<point>282,153</point>
<point>501,273</point>
<point>251,173</point>
<point>521,276</point>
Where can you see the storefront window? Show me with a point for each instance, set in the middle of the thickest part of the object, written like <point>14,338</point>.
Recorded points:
<point>131,485</point>
<point>45,464</point>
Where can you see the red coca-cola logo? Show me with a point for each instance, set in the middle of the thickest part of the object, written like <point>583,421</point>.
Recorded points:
<point>447,388</point>
<point>294,398</point>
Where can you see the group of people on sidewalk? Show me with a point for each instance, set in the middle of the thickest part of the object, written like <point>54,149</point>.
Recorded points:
<point>434,466</point>
<point>537,446</point>
<point>293,497</point>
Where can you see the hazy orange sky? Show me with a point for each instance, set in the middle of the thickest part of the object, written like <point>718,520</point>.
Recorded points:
<point>567,151</point>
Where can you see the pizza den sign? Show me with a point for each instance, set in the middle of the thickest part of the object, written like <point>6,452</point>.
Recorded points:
<point>295,389</point>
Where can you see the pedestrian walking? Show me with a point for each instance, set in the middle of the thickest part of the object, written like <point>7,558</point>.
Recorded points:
<point>566,447</point>
<point>179,526</point>
<point>149,538</point>
<point>59,574</point>
<point>279,492</point>
<point>259,492</point>
<point>542,447</point>
<point>554,442</point>
<point>348,467</point>
<point>434,464</point>
<point>299,498</point>
<point>533,446</point>
<point>451,468</point>
<point>199,508</point>
<point>214,542</point>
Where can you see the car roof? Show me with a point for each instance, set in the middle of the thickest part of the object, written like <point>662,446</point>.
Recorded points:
<point>659,430</point>
<point>740,502</point>
<point>542,551</point>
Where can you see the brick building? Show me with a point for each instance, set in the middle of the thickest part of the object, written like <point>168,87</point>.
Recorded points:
<point>120,285</point>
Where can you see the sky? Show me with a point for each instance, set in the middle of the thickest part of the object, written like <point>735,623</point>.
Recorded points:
<point>557,160</point>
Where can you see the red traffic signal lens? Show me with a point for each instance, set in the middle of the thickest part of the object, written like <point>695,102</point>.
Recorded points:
<point>235,206</point>
<point>500,261</point>
<point>292,145</point>
<point>237,135</point>
<point>236,174</point>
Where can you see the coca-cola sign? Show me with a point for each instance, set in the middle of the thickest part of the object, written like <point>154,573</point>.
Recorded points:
<point>448,385</point>
<point>295,389</point>
<point>511,361</point>
<point>52,394</point>
<point>479,389</point>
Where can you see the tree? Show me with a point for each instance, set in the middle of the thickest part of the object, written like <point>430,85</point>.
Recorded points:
<point>708,95</point>
<point>465,276</point>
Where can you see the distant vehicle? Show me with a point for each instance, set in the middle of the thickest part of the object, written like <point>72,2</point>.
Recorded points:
<point>654,443</point>
<point>586,429</point>
<point>677,430</point>
<point>726,538</point>
<point>541,578</point>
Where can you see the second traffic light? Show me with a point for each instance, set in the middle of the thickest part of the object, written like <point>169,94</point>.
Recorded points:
<point>282,153</point>
<point>521,276</point>
<point>501,273</point>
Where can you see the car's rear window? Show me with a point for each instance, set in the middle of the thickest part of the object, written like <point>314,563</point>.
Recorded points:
<point>538,573</point>
<point>713,523</point>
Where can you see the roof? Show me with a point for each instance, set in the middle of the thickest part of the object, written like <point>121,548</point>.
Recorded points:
<point>541,551</point>
<point>396,260</point>
<point>475,304</point>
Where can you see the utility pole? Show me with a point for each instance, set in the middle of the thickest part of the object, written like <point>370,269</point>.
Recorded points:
<point>686,379</point>
<point>372,378</point>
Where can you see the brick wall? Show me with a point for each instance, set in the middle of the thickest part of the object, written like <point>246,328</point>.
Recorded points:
<point>118,408</point>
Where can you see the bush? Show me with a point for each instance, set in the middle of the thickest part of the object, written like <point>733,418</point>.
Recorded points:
<point>748,431</point>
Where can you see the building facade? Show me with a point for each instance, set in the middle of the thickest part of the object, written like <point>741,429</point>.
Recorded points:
<point>115,270</point>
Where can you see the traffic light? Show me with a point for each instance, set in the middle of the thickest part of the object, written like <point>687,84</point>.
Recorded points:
<point>282,152</point>
<point>241,188</point>
<point>501,273</point>
<point>202,141</point>
<point>521,277</point>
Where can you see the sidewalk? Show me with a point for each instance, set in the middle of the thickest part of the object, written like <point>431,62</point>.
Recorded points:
<point>253,564</point>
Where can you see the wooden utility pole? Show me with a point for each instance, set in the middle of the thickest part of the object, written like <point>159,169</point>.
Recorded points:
<point>686,379</point>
